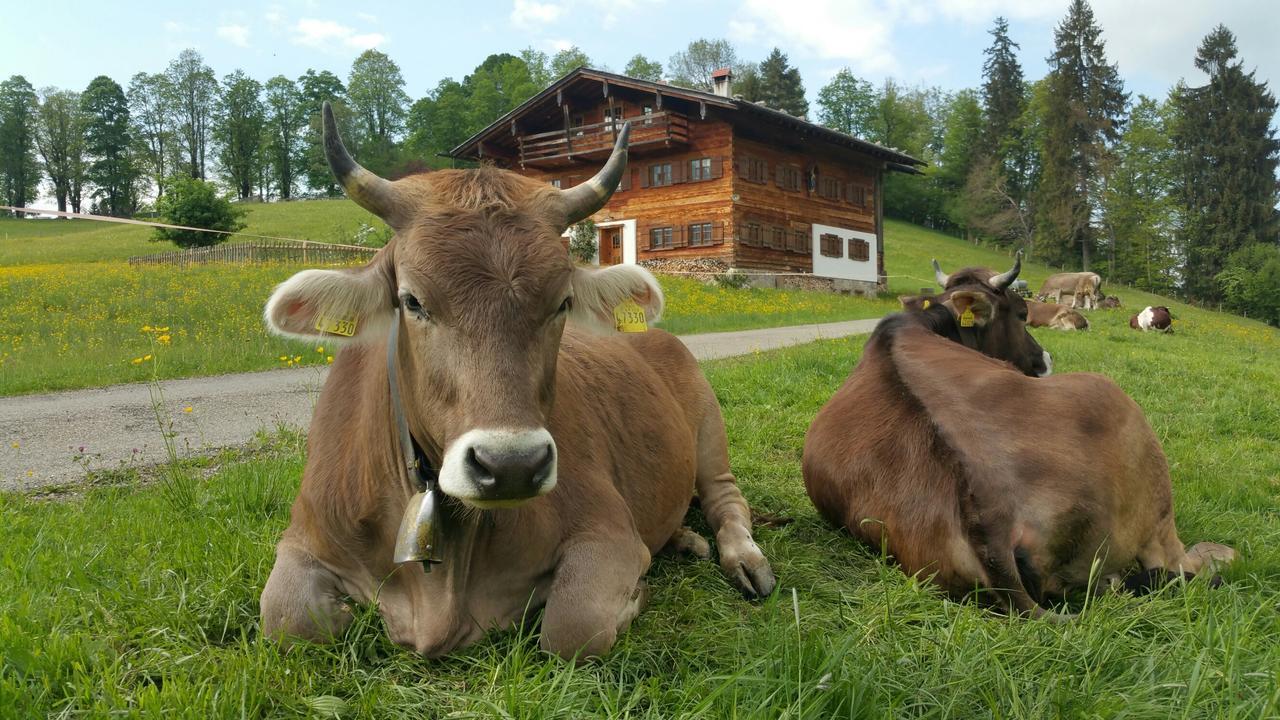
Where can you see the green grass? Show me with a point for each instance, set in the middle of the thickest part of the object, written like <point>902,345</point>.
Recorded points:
<point>38,242</point>
<point>144,601</point>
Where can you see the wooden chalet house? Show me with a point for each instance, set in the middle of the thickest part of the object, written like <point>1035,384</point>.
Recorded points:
<point>710,176</point>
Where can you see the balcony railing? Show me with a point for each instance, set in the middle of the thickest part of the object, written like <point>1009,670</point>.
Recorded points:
<point>560,147</point>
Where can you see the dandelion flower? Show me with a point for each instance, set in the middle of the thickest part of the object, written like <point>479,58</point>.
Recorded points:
<point>137,361</point>
<point>15,444</point>
<point>329,359</point>
<point>146,328</point>
<point>186,409</point>
<point>163,339</point>
<point>320,349</point>
<point>297,358</point>
<point>283,358</point>
<point>146,357</point>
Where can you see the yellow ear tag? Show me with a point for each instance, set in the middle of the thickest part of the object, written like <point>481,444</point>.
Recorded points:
<point>925,306</point>
<point>628,317</point>
<point>966,318</point>
<point>345,327</point>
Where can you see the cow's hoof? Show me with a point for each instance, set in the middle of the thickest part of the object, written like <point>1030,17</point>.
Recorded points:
<point>749,570</point>
<point>1209,557</point>
<point>687,542</point>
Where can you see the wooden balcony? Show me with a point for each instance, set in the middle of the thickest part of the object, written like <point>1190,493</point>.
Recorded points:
<point>585,143</point>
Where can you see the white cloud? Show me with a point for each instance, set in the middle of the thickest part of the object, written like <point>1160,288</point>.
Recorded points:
<point>559,45</point>
<point>367,17</point>
<point>234,34</point>
<point>328,33</point>
<point>273,16</point>
<point>743,31</point>
<point>173,27</point>
<point>857,32</point>
<point>530,12</point>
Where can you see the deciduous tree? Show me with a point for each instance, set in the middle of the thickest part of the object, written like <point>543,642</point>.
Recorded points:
<point>193,95</point>
<point>286,120</point>
<point>109,146</point>
<point>642,67</point>
<point>847,104</point>
<point>153,125</point>
<point>316,88</point>
<point>375,93</point>
<point>240,131</point>
<point>60,137</point>
<point>567,60</point>
<point>692,67</point>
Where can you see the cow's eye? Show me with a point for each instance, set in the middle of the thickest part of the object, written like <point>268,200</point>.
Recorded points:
<point>411,304</point>
<point>566,306</point>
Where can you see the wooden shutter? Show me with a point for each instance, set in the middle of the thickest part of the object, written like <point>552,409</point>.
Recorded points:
<point>645,172</point>
<point>679,171</point>
<point>779,178</point>
<point>717,167</point>
<point>626,181</point>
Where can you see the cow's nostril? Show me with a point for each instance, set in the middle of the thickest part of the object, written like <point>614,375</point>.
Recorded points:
<point>512,465</point>
<point>481,473</point>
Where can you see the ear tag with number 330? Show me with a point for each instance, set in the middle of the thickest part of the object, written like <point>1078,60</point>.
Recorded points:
<point>966,318</point>
<point>345,327</point>
<point>628,317</point>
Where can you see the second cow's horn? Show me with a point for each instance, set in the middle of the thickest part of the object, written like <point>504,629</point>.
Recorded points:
<point>1001,281</point>
<point>582,200</point>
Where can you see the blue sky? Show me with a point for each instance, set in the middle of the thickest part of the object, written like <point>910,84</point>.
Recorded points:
<point>937,42</point>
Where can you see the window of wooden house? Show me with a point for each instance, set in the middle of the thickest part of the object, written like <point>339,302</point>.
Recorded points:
<point>789,177</point>
<point>577,122</point>
<point>859,249</point>
<point>830,188</point>
<point>660,238</point>
<point>618,112</point>
<point>754,170</point>
<point>647,110</point>
<point>799,242</point>
<point>700,169</point>
<point>752,234</point>
<point>778,237</point>
<point>857,195</point>
<point>555,183</point>
<point>830,245</point>
<point>700,235</point>
<point>660,175</point>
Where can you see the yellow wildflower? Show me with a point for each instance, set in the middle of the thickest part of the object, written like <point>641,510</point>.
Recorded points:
<point>283,358</point>
<point>186,409</point>
<point>15,444</point>
<point>329,359</point>
<point>163,339</point>
<point>146,357</point>
<point>320,349</point>
<point>146,328</point>
<point>297,358</point>
<point>137,361</point>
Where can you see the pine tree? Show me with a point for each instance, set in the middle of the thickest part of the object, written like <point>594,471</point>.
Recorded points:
<point>1003,93</point>
<point>1084,115</point>
<point>780,85</point>
<point>19,171</point>
<point>1226,157</point>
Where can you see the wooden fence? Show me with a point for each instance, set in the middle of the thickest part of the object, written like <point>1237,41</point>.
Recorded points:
<point>305,252</point>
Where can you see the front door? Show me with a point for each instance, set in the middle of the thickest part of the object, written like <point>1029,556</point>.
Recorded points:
<point>611,245</point>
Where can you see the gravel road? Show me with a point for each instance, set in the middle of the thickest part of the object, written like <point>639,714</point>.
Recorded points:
<point>55,439</point>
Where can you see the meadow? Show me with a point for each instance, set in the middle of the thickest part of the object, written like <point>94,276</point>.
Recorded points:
<point>76,315</point>
<point>143,600</point>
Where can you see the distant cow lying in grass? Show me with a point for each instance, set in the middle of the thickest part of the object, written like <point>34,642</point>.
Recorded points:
<point>1055,315</point>
<point>959,464</point>
<point>1153,318</point>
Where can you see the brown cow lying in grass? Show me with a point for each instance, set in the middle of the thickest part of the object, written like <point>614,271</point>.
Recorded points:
<point>945,448</point>
<point>1055,315</point>
<point>562,460</point>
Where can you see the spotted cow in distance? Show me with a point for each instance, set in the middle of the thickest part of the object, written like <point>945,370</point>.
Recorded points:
<point>935,449</point>
<point>472,424</point>
<point>1156,318</point>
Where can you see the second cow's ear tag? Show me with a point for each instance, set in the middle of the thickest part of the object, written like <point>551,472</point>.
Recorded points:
<point>966,318</point>
<point>628,317</point>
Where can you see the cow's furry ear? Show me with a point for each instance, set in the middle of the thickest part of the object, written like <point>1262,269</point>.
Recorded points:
<point>596,292</point>
<point>983,311</point>
<point>334,305</point>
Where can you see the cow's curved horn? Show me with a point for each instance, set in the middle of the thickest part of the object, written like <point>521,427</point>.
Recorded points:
<point>582,200</point>
<point>1002,281</point>
<point>940,276</point>
<point>375,194</point>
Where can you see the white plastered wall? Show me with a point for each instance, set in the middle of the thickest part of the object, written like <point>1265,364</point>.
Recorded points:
<point>842,267</point>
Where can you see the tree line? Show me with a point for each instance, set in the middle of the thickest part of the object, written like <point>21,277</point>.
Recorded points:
<point>1175,195</point>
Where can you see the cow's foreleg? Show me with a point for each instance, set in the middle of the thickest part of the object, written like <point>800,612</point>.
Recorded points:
<point>302,598</point>
<point>596,593</point>
<point>727,511</point>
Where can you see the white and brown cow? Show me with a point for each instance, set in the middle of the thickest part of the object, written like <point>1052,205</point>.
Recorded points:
<point>565,459</point>
<point>1075,290</point>
<point>946,449</point>
<point>1053,315</point>
<point>1156,318</point>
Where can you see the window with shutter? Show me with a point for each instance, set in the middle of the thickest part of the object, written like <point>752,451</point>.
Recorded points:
<point>660,175</point>
<point>859,250</point>
<point>700,169</point>
<point>660,238</point>
<point>799,242</point>
<point>700,235</point>
<point>830,245</point>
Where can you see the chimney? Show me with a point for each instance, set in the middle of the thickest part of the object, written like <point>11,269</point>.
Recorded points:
<point>722,82</point>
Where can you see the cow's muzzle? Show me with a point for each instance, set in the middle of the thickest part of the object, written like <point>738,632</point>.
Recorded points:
<point>499,468</point>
